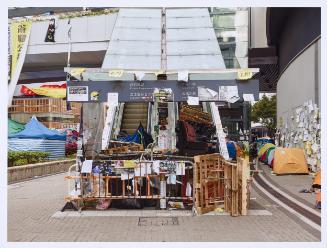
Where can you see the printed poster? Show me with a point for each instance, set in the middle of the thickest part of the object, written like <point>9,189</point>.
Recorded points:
<point>78,93</point>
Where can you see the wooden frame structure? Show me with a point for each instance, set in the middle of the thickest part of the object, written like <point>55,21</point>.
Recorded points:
<point>217,183</point>
<point>221,183</point>
<point>111,187</point>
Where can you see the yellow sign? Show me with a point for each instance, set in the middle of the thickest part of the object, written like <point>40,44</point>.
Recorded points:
<point>77,72</point>
<point>19,32</point>
<point>129,164</point>
<point>244,74</point>
<point>116,73</point>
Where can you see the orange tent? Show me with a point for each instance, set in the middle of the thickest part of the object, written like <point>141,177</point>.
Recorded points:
<point>317,184</point>
<point>290,161</point>
<point>317,180</point>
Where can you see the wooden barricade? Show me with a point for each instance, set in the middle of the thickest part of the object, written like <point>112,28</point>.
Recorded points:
<point>208,182</point>
<point>217,182</point>
<point>145,184</point>
<point>237,176</point>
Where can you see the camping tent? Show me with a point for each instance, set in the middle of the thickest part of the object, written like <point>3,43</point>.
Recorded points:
<point>264,148</point>
<point>37,137</point>
<point>290,161</point>
<point>14,127</point>
<point>271,157</point>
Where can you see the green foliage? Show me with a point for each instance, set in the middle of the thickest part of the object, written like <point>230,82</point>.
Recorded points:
<point>22,158</point>
<point>264,111</point>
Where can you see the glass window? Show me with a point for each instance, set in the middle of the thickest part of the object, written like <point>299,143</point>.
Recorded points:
<point>231,29</point>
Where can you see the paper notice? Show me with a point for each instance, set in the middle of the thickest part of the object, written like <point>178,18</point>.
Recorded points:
<point>188,189</point>
<point>248,97</point>
<point>156,166</point>
<point>180,168</point>
<point>228,94</point>
<point>212,92</point>
<point>171,179</point>
<point>139,75</point>
<point>206,94</point>
<point>141,170</point>
<point>125,175</point>
<point>113,99</point>
<point>183,76</point>
<point>192,100</point>
<point>87,166</point>
<point>315,148</point>
<point>78,93</point>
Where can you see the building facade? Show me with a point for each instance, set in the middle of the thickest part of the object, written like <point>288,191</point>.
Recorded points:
<point>289,56</point>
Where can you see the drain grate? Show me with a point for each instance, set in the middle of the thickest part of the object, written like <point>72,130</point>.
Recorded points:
<point>158,221</point>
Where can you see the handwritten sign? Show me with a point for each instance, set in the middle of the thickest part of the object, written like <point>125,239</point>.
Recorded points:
<point>116,73</point>
<point>244,74</point>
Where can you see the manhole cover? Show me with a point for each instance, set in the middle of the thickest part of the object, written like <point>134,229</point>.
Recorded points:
<point>158,221</point>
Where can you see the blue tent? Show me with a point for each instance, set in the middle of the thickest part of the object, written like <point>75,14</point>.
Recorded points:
<point>37,137</point>
<point>36,130</point>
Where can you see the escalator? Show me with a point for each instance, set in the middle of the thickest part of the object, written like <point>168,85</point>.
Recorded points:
<point>133,114</point>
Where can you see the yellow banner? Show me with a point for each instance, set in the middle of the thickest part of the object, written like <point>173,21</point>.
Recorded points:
<point>50,92</point>
<point>19,32</point>
<point>244,74</point>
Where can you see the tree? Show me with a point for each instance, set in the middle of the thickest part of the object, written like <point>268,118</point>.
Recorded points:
<point>264,111</point>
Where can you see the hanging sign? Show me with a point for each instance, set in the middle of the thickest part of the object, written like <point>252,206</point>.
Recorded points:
<point>244,74</point>
<point>19,31</point>
<point>145,91</point>
<point>50,36</point>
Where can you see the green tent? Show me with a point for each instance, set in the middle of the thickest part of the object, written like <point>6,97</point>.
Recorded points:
<point>14,127</point>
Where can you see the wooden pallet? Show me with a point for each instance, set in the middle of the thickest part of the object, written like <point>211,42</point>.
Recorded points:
<point>237,195</point>
<point>208,182</point>
<point>217,181</point>
<point>123,147</point>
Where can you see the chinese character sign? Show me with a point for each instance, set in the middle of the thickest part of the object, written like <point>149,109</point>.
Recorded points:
<point>19,32</point>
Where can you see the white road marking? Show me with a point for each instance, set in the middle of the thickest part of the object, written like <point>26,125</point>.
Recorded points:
<point>300,216</point>
<point>290,197</point>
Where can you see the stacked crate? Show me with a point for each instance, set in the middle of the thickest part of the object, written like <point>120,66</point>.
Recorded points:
<point>208,182</point>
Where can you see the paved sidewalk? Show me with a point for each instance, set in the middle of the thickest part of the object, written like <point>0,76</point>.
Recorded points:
<point>32,206</point>
<point>292,184</point>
